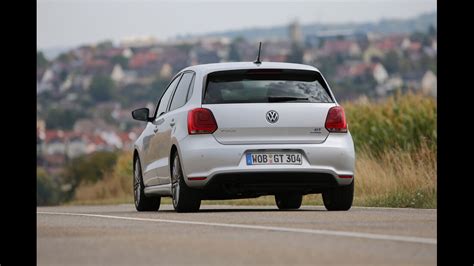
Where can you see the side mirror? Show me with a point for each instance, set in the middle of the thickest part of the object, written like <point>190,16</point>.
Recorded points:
<point>141,114</point>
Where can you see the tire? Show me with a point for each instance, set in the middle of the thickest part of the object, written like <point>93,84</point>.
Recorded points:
<point>339,198</point>
<point>142,202</point>
<point>185,199</point>
<point>288,201</point>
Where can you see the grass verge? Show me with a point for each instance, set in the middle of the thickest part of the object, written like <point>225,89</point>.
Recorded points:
<point>395,178</point>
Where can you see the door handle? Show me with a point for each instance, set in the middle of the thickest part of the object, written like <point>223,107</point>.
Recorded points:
<point>172,123</point>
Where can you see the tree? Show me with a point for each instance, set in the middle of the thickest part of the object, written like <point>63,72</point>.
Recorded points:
<point>432,31</point>
<point>63,75</point>
<point>105,45</point>
<point>296,55</point>
<point>157,88</point>
<point>88,168</point>
<point>421,37</point>
<point>121,60</point>
<point>62,119</point>
<point>47,190</point>
<point>65,58</point>
<point>391,62</point>
<point>41,60</point>
<point>234,53</point>
<point>102,88</point>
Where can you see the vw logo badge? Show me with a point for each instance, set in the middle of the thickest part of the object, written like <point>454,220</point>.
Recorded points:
<point>272,116</point>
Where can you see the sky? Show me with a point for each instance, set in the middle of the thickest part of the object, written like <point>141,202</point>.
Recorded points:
<point>68,23</point>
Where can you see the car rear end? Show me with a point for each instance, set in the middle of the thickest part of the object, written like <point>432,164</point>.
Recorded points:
<point>267,132</point>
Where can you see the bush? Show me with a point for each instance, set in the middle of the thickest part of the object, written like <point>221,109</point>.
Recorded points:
<point>47,190</point>
<point>402,121</point>
<point>89,168</point>
<point>115,187</point>
<point>102,88</point>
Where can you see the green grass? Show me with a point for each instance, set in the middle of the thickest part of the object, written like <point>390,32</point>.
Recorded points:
<point>402,121</point>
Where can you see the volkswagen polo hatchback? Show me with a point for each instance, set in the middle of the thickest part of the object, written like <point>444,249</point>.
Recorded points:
<point>244,130</point>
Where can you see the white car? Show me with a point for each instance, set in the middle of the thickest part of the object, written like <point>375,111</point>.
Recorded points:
<point>244,130</point>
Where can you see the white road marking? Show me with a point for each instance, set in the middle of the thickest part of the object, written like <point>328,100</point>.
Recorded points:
<point>422,240</point>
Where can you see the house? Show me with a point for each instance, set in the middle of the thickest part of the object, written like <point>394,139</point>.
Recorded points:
<point>95,143</point>
<point>412,80</point>
<point>372,52</point>
<point>414,47</point>
<point>85,81</point>
<point>380,73</point>
<point>359,69</point>
<point>95,66</point>
<point>352,69</point>
<point>127,53</point>
<point>310,55</point>
<point>67,84</point>
<point>117,74</point>
<point>111,139</point>
<point>276,58</point>
<point>344,47</point>
<point>429,84</point>
<point>40,136</point>
<point>142,59</point>
<point>389,43</point>
<point>405,43</point>
<point>389,85</point>
<point>76,146</point>
<point>166,71</point>
<point>54,142</point>
<point>46,83</point>
<point>113,52</point>
<point>127,140</point>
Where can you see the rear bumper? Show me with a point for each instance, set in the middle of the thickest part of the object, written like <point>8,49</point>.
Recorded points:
<point>254,184</point>
<point>203,156</point>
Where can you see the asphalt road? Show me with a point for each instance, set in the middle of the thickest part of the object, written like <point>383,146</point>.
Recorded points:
<point>234,235</point>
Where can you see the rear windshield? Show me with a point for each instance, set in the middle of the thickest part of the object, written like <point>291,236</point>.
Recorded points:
<point>265,85</point>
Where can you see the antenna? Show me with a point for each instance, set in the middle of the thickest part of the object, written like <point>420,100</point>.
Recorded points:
<point>257,61</point>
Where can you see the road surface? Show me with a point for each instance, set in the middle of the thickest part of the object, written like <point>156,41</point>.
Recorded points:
<point>234,235</point>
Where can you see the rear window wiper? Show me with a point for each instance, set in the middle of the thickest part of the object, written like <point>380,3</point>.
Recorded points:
<point>285,99</point>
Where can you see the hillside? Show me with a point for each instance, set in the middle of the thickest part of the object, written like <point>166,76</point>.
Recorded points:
<point>386,26</point>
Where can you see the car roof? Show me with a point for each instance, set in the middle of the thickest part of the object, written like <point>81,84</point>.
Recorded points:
<point>208,68</point>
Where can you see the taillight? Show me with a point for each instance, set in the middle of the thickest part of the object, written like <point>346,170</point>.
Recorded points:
<point>336,120</point>
<point>201,121</point>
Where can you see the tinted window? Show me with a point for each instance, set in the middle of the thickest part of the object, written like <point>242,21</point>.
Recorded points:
<point>266,85</point>
<point>179,98</point>
<point>166,97</point>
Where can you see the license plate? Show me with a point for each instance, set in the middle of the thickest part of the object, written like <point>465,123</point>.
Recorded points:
<point>273,158</point>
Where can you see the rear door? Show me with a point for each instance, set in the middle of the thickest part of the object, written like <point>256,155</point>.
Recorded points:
<point>268,106</point>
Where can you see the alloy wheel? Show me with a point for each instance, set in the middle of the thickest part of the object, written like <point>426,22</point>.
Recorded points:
<point>136,182</point>
<point>175,187</point>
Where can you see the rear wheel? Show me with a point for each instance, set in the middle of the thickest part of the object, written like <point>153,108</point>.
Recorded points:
<point>339,198</point>
<point>288,201</point>
<point>185,199</point>
<point>142,202</point>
